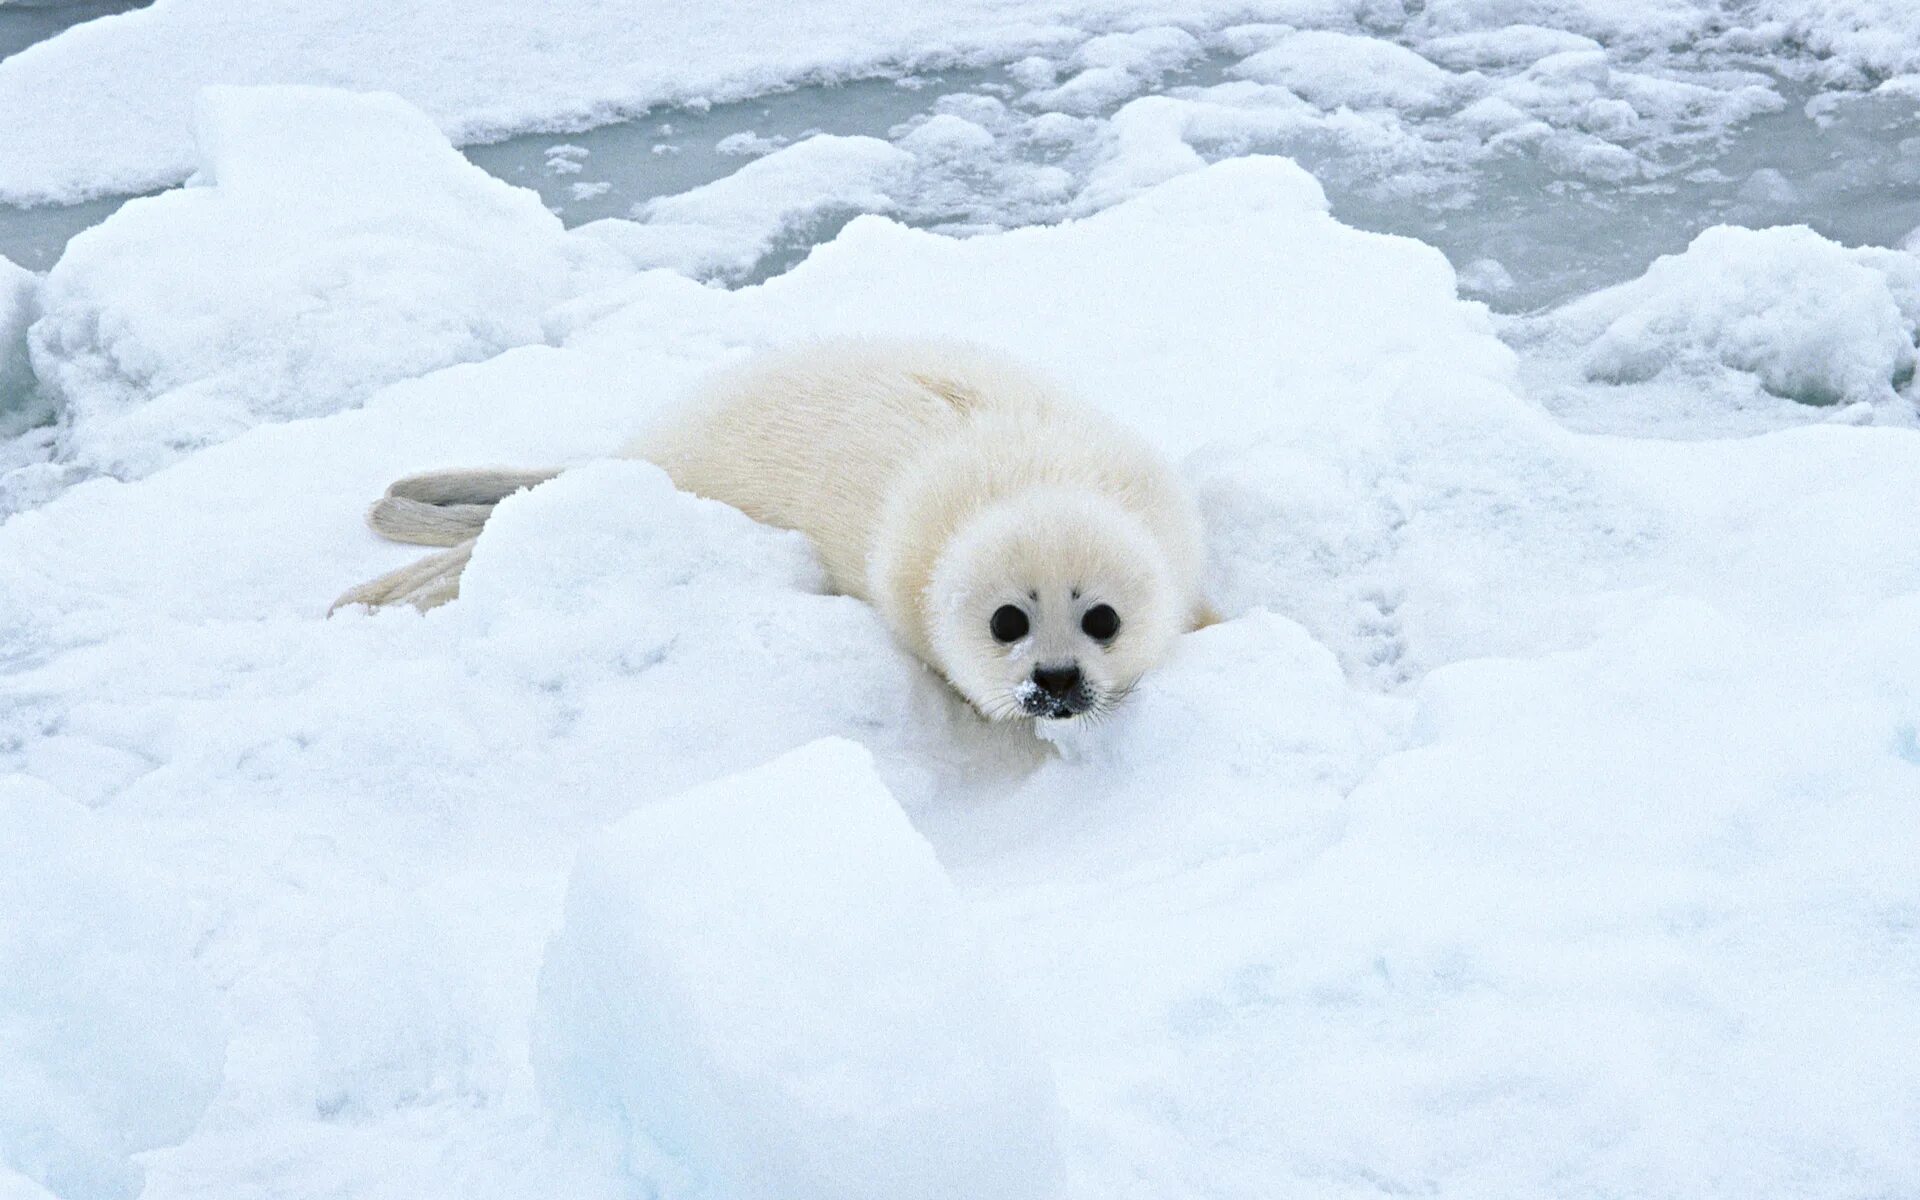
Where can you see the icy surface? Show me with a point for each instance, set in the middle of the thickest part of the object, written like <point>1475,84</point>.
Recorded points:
<point>723,230</point>
<point>769,983</point>
<point>1539,822</point>
<point>110,1039</point>
<point>19,306</point>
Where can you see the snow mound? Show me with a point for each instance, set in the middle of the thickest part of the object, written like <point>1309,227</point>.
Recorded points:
<point>1119,796</point>
<point>353,247</point>
<point>1807,319</point>
<point>769,983</point>
<point>110,1041</point>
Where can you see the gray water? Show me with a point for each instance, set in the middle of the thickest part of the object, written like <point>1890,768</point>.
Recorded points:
<point>24,22</point>
<point>34,237</point>
<point>1854,178</point>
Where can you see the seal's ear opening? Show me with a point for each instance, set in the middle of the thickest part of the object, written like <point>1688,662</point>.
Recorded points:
<point>1206,614</point>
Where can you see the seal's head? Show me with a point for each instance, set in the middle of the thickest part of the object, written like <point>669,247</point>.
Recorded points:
<point>1051,605</point>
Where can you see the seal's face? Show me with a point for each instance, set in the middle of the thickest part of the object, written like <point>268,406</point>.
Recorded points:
<point>1051,607</point>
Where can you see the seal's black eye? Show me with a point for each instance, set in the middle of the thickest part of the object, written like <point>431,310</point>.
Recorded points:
<point>1009,624</point>
<point>1101,623</point>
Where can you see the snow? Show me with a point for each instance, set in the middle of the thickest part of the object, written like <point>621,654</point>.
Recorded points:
<point>353,247</point>
<point>1745,316</point>
<point>110,1039</point>
<point>1538,822</point>
<point>770,982</point>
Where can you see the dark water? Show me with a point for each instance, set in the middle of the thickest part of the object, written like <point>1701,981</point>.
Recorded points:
<point>24,22</point>
<point>34,238</point>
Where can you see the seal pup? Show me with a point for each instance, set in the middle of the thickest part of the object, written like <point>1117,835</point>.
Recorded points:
<point>1035,553</point>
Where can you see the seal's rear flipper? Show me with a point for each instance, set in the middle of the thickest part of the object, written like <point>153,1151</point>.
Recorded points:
<point>445,508</point>
<point>427,583</point>
<point>438,508</point>
<point>470,485</point>
<point>399,519</point>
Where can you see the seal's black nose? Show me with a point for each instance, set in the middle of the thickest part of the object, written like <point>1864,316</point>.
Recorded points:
<point>1057,682</point>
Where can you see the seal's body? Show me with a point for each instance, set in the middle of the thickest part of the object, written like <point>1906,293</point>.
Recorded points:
<point>1037,555</point>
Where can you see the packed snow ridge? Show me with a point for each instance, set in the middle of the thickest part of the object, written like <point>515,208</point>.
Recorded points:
<point>1540,821</point>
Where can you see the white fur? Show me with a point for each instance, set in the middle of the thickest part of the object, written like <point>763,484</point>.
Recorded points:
<point>937,481</point>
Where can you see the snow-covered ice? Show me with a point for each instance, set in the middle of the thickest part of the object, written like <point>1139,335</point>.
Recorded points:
<point>770,982</point>
<point>353,247</point>
<point>1540,821</point>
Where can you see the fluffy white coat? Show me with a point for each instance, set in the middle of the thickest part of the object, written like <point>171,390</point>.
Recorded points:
<point>938,481</point>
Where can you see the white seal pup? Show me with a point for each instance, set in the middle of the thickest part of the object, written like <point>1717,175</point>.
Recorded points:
<point>1033,552</point>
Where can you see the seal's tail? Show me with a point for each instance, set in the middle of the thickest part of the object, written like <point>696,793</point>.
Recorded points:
<point>438,508</point>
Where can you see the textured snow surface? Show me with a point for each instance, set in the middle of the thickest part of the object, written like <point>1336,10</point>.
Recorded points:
<point>1541,820</point>
<point>110,1038</point>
